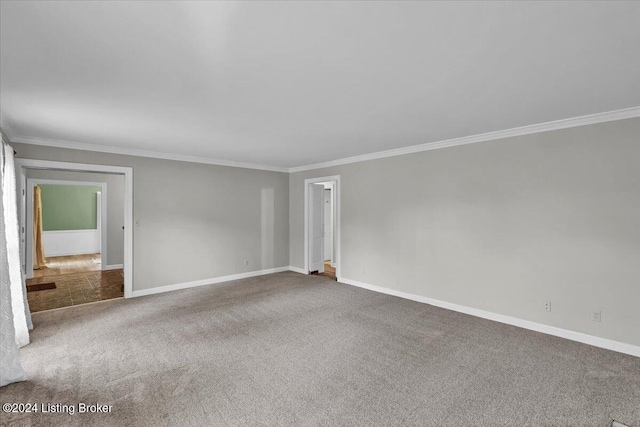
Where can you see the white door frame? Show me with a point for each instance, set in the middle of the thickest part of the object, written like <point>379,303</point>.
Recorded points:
<point>334,215</point>
<point>102,218</point>
<point>22,164</point>
<point>336,198</point>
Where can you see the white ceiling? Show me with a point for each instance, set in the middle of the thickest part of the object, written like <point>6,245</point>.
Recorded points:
<point>295,83</point>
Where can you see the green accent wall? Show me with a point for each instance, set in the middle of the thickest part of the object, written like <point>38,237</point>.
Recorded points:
<point>69,207</point>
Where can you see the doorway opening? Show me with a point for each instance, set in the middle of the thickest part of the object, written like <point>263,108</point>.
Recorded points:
<point>67,222</point>
<point>322,226</point>
<point>75,225</point>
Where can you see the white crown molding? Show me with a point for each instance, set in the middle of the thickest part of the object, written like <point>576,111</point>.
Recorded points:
<point>609,116</point>
<point>608,344</point>
<point>139,153</point>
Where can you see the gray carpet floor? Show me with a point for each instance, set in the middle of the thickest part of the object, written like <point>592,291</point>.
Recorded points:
<point>288,349</point>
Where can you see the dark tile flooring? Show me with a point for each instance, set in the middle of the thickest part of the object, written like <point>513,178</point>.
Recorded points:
<point>76,288</point>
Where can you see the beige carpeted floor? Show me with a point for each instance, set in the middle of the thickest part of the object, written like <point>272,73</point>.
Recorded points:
<point>288,349</point>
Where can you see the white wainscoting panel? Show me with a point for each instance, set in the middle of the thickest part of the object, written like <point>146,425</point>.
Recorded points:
<point>71,242</point>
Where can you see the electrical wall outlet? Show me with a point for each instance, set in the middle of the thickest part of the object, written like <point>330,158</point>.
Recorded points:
<point>547,306</point>
<point>596,316</point>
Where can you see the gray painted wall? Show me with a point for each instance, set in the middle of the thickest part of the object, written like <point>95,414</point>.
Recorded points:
<point>501,226</point>
<point>197,221</point>
<point>115,205</point>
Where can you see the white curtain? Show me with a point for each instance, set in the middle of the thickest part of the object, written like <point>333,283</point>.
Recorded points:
<point>15,318</point>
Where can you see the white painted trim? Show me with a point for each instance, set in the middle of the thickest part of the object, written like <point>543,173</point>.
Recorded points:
<point>66,182</point>
<point>54,255</point>
<point>139,153</point>
<point>21,185</point>
<point>591,119</point>
<point>71,242</point>
<point>334,212</point>
<point>113,267</point>
<point>608,344</point>
<point>102,216</point>
<point>298,270</point>
<point>70,231</point>
<point>337,237</point>
<point>608,116</point>
<point>128,202</point>
<point>102,222</point>
<point>212,281</point>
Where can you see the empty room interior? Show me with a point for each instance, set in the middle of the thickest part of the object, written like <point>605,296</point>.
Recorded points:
<point>379,213</point>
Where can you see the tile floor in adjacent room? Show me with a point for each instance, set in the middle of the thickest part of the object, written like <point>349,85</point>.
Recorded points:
<point>76,288</point>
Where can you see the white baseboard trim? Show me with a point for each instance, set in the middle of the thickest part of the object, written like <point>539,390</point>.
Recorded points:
<point>73,253</point>
<point>113,267</point>
<point>621,347</point>
<point>168,288</point>
<point>297,270</point>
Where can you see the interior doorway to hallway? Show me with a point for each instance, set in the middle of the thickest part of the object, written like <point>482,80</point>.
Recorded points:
<point>322,226</point>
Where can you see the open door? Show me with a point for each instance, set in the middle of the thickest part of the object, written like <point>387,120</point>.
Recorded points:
<point>316,229</point>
